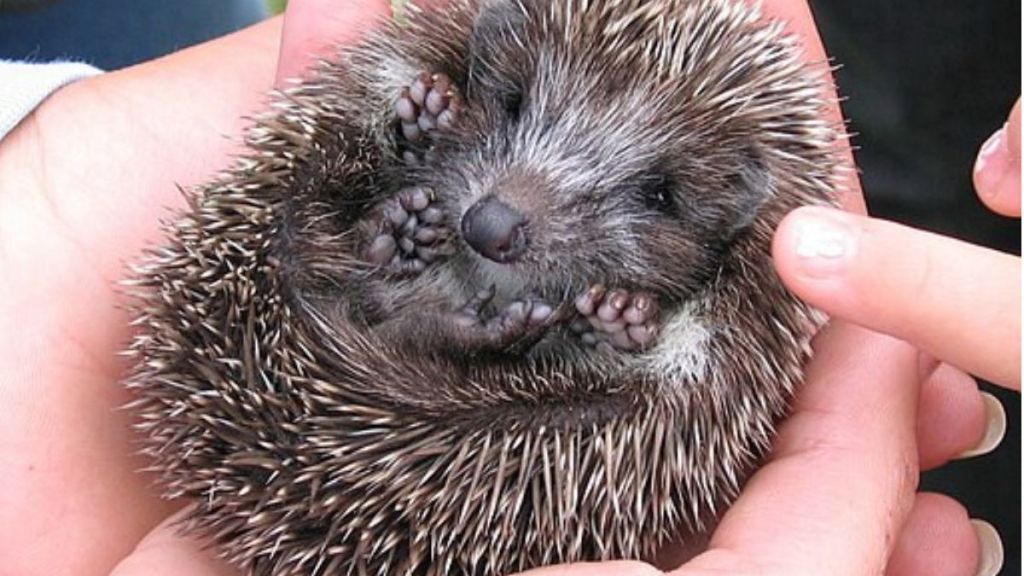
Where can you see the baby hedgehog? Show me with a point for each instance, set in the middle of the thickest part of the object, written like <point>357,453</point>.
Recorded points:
<point>492,290</point>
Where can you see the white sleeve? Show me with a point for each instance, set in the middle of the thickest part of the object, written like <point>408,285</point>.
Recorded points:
<point>23,86</point>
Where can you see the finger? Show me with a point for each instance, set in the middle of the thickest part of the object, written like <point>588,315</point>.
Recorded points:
<point>313,28</point>
<point>164,551</point>
<point>843,472</point>
<point>938,539</point>
<point>960,303</point>
<point>997,170</point>
<point>954,419</point>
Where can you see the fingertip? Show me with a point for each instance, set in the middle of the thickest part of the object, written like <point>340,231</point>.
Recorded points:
<point>991,554</point>
<point>813,249</point>
<point>1013,129</point>
<point>938,538</point>
<point>314,28</point>
<point>997,175</point>
<point>997,168</point>
<point>993,429</point>
<point>957,301</point>
<point>952,417</point>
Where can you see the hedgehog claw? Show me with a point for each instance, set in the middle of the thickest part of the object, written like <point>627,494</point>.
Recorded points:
<point>616,320</point>
<point>514,329</point>
<point>406,232</point>
<point>428,106</point>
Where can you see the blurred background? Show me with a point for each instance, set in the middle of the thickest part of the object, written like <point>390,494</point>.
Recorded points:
<point>927,83</point>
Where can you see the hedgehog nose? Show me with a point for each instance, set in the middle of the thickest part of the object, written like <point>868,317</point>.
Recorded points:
<point>495,230</point>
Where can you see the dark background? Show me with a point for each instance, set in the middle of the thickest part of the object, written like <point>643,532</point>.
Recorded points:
<point>927,83</point>
<point>111,34</point>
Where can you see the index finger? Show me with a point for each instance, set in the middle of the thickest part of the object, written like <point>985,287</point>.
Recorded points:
<point>959,302</point>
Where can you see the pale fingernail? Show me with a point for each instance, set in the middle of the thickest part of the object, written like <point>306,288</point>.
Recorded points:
<point>990,549</point>
<point>992,164</point>
<point>995,428</point>
<point>824,242</point>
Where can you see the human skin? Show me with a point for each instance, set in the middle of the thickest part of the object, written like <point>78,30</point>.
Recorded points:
<point>956,301</point>
<point>83,184</point>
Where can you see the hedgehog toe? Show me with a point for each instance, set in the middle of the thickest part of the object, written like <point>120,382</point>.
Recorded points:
<point>424,108</point>
<point>616,320</point>
<point>409,232</point>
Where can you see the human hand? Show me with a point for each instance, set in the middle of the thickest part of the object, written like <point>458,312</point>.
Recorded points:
<point>84,183</point>
<point>960,303</point>
<point>82,186</point>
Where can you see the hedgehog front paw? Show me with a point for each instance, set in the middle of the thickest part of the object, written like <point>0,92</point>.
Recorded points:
<point>514,329</point>
<point>429,105</point>
<point>617,319</point>
<point>407,232</point>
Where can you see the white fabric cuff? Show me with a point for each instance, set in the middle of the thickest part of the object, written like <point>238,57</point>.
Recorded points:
<point>23,86</point>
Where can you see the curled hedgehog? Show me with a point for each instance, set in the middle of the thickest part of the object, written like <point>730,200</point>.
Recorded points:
<point>491,290</point>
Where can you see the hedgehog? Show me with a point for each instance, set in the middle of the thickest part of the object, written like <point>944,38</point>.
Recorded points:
<point>489,290</point>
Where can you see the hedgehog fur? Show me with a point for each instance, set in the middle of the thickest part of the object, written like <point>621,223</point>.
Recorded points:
<point>325,415</point>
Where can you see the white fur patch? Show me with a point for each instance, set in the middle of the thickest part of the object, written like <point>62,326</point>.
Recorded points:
<point>681,355</point>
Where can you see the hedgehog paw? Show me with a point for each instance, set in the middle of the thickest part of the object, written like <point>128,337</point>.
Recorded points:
<point>513,329</point>
<point>409,232</point>
<point>617,319</point>
<point>427,106</point>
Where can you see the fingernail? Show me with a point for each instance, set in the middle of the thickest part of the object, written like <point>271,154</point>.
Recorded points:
<point>995,428</point>
<point>992,164</point>
<point>824,242</point>
<point>990,553</point>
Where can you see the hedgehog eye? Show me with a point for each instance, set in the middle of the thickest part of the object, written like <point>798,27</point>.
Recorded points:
<point>658,192</point>
<point>512,103</point>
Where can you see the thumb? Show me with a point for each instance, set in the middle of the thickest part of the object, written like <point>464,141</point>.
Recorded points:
<point>313,27</point>
<point>165,551</point>
<point>959,302</point>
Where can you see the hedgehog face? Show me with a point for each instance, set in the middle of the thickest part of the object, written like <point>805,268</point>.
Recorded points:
<point>553,173</point>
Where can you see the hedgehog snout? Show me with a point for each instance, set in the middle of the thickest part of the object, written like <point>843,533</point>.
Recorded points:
<point>495,230</point>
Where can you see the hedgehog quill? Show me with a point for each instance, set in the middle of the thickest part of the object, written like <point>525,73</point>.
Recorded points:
<point>491,290</point>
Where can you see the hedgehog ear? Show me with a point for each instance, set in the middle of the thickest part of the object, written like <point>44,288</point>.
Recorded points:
<point>498,19</point>
<point>498,22</point>
<point>752,186</point>
<point>499,25</point>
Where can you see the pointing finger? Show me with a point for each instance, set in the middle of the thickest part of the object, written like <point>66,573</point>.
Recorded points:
<point>960,303</point>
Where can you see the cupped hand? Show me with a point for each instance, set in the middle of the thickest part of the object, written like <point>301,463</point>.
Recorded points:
<point>84,182</point>
<point>83,185</point>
